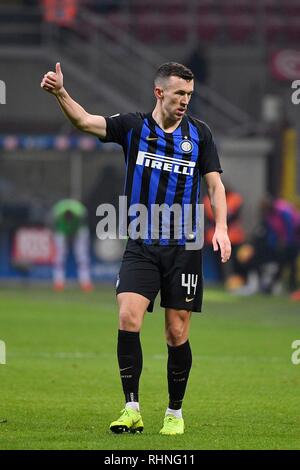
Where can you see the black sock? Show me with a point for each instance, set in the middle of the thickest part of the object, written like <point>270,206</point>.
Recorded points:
<point>179,365</point>
<point>130,360</point>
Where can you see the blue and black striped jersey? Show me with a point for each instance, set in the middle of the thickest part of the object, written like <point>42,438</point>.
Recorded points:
<point>164,169</point>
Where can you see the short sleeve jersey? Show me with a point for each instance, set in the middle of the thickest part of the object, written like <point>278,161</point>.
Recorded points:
<point>163,173</point>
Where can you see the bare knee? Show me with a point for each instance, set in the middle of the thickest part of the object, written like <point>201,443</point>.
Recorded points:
<point>177,326</point>
<point>129,320</point>
<point>132,308</point>
<point>176,335</point>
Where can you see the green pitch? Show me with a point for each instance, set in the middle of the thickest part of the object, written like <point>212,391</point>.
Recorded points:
<point>60,388</point>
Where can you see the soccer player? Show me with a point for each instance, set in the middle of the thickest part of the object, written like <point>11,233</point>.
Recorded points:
<point>166,153</point>
<point>69,223</point>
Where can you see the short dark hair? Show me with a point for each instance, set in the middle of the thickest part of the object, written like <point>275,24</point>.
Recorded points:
<point>173,69</point>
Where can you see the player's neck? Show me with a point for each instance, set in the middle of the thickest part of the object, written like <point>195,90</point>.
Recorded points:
<point>165,122</point>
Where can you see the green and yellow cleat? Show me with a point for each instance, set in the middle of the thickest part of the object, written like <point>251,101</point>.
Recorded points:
<point>172,426</point>
<point>129,421</point>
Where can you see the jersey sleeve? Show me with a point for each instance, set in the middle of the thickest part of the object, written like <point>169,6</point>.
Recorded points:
<point>117,127</point>
<point>209,159</point>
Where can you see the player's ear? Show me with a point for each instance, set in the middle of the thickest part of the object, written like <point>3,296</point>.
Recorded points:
<point>158,92</point>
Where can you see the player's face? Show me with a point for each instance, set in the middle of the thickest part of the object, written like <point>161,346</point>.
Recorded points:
<point>176,97</point>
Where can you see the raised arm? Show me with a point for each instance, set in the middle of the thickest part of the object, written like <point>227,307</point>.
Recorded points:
<point>217,197</point>
<point>93,124</point>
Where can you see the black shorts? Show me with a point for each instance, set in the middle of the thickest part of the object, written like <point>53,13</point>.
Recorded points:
<point>173,270</point>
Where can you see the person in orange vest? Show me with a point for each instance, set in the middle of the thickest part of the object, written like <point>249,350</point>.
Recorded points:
<point>60,12</point>
<point>295,296</point>
<point>236,233</point>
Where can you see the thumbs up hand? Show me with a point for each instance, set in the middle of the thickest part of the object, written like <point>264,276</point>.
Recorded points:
<point>53,81</point>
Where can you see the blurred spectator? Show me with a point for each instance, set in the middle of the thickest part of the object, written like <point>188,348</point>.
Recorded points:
<point>275,246</point>
<point>236,233</point>
<point>69,222</point>
<point>61,12</point>
<point>296,294</point>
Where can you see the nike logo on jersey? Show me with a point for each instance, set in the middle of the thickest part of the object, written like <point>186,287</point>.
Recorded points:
<point>189,300</point>
<point>162,162</point>
<point>151,138</point>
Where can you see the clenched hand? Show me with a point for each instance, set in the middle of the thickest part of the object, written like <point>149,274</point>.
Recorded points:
<point>53,81</point>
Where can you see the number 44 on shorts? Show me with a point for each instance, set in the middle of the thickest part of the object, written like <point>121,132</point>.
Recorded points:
<point>189,281</point>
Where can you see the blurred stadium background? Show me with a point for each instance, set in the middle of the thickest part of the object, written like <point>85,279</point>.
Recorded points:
<point>245,55</point>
